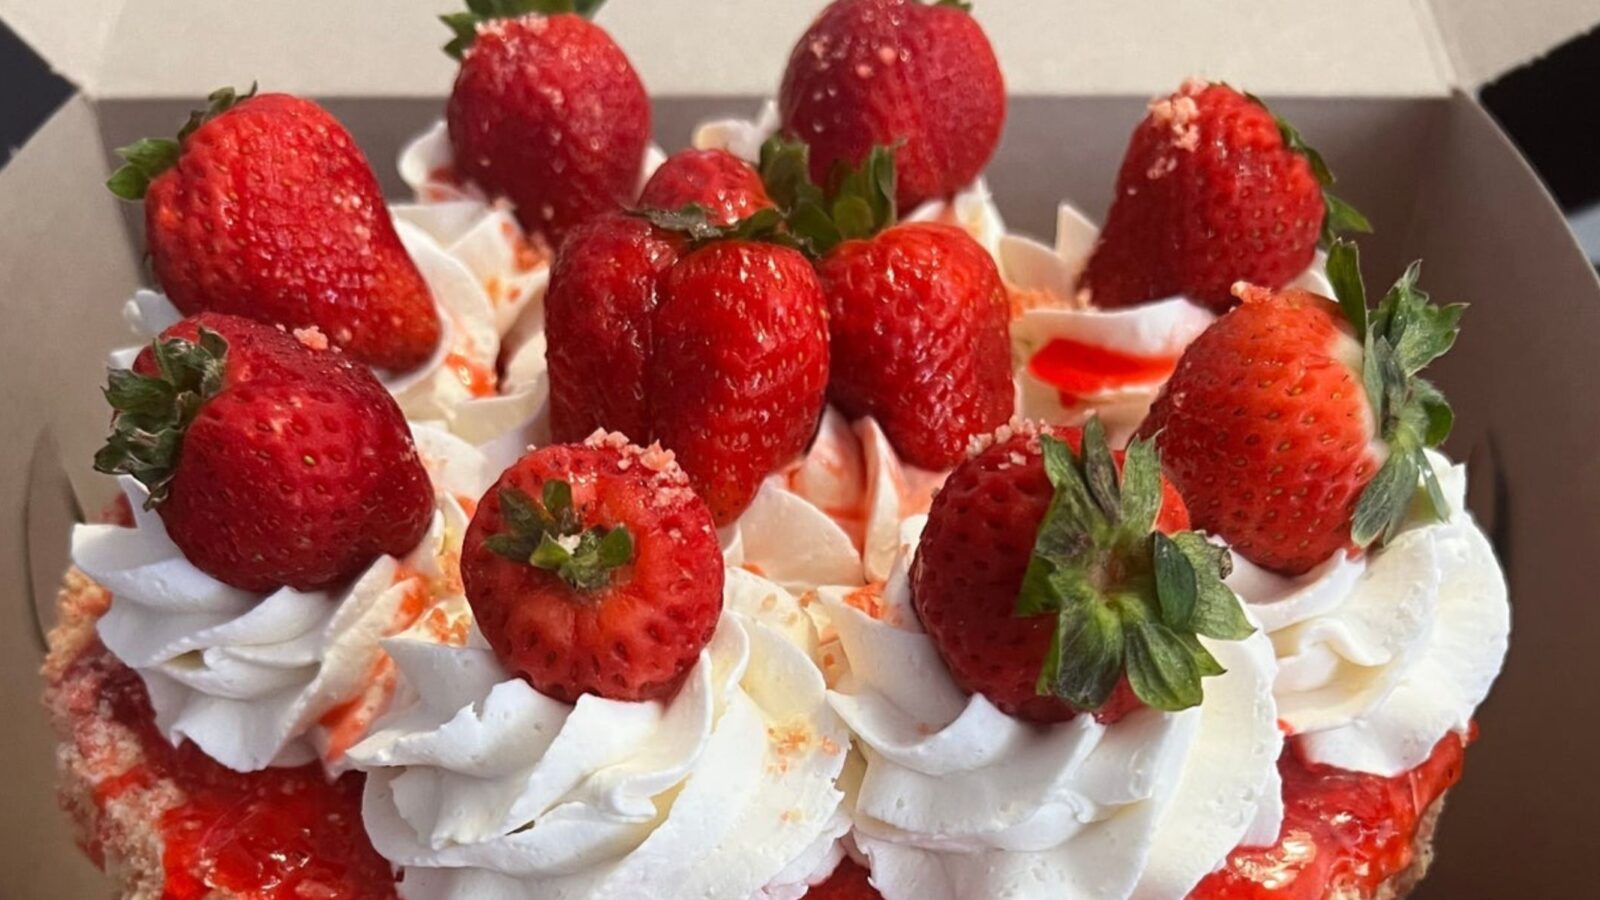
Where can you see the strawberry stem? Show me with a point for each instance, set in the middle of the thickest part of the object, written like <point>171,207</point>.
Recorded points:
<point>154,411</point>
<point>858,203</point>
<point>1126,600</point>
<point>548,535</point>
<point>147,158</point>
<point>465,24</point>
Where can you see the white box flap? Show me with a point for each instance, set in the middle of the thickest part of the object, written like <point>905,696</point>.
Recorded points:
<point>1487,38</point>
<point>169,48</point>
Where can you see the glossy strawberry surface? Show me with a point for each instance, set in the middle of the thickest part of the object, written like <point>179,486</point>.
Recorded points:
<point>300,471</point>
<point>968,575</point>
<point>740,370</point>
<point>1208,194</point>
<point>1266,430</point>
<point>919,324</point>
<point>549,112</point>
<point>636,633</point>
<point>725,186</point>
<point>273,213</point>
<point>887,72</point>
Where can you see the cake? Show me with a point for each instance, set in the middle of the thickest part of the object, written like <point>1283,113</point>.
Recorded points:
<point>765,520</point>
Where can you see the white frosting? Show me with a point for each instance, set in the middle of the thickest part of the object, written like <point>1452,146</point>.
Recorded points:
<point>486,788</point>
<point>1159,330</point>
<point>249,677</point>
<point>1380,657</point>
<point>972,208</point>
<point>960,800</point>
<point>834,518</point>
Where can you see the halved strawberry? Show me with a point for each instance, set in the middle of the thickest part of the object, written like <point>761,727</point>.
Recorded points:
<point>594,569</point>
<point>1046,578</point>
<point>1295,426</point>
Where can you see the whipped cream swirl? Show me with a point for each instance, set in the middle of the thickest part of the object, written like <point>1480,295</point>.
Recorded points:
<point>260,680</point>
<point>1381,656</point>
<point>959,800</point>
<point>486,788</point>
<point>834,518</point>
<point>1074,360</point>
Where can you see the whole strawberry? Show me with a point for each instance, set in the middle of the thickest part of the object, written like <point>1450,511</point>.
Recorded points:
<point>918,318</point>
<point>1295,426</point>
<point>715,345</point>
<point>1213,189</point>
<point>594,569</point>
<point>270,464</point>
<point>264,207</point>
<point>1052,572</point>
<point>725,186</point>
<point>546,111</point>
<point>919,76</point>
<point>740,369</point>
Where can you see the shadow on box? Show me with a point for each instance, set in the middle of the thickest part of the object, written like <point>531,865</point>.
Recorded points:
<point>1440,182</point>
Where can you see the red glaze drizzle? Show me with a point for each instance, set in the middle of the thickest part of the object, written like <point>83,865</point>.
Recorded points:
<point>270,835</point>
<point>1344,833</point>
<point>1078,370</point>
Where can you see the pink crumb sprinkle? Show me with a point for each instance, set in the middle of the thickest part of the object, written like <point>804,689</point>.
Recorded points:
<point>311,338</point>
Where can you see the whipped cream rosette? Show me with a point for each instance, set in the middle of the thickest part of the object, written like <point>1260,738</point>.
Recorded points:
<point>958,799</point>
<point>972,208</point>
<point>834,518</point>
<point>273,680</point>
<point>1074,360</point>
<point>486,788</point>
<point>1381,656</point>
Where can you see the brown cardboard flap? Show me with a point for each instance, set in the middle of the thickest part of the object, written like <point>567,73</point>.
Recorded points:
<point>64,262</point>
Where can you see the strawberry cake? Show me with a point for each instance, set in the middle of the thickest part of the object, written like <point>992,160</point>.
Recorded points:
<point>765,520</point>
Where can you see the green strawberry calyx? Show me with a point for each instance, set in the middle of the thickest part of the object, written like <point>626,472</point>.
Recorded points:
<point>858,202</point>
<point>464,25</point>
<point>548,535</point>
<point>153,412</point>
<point>963,5</point>
<point>1399,339</point>
<point>147,158</point>
<point>1127,599</point>
<point>1339,217</point>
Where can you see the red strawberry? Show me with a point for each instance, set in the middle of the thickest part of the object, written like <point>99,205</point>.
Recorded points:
<point>721,355</point>
<point>725,186</point>
<point>594,569</point>
<point>740,367</point>
<point>920,329</point>
<point>547,111</point>
<point>850,881</point>
<point>878,72</point>
<point>1213,190</point>
<point>1039,581</point>
<point>270,464</point>
<point>264,207</point>
<point>1270,428</point>
<point>604,289</point>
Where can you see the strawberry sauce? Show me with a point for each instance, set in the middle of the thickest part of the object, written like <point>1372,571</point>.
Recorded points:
<point>1344,833</point>
<point>1078,370</point>
<point>273,835</point>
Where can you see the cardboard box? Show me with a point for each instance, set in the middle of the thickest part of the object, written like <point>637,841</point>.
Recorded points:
<point>1383,87</point>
